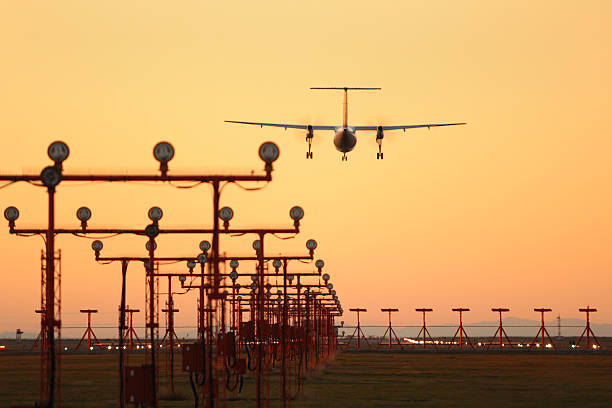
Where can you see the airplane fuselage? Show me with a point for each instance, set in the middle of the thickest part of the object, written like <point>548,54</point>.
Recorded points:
<point>345,139</point>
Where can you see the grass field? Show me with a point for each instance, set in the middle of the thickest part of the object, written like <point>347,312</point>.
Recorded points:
<point>366,379</point>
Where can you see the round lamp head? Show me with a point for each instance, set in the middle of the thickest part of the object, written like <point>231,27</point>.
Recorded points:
<point>202,259</point>
<point>163,152</point>
<point>311,244</point>
<point>279,292</point>
<point>268,152</point>
<point>155,214</point>
<point>325,277</point>
<point>11,213</point>
<point>319,263</point>
<point>256,245</point>
<point>239,298</point>
<point>290,278</point>
<point>182,278</point>
<point>330,286</point>
<point>276,263</point>
<point>51,176</point>
<point>306,291</point>
<point>254,278</point>
<point>97,245</point>
<point>296,213</point>
<point>238,286</point>
<point>234,263</point>
<point>204,246</point>
<point>253,286</point>
<point>191,264</point>
<point>333,293</point>
<point>151,231</point>
<point>58,151</point>
<point>148,245</point>
<point>83,214</point>
<point>226,213</point>
<point>233,275</point>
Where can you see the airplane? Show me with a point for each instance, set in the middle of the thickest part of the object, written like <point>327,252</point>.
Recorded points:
<point>345,136</point>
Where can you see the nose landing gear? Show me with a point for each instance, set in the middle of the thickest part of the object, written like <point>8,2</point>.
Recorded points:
<point>309,137</point>
<point>379,155</point>
<point>344,158</point>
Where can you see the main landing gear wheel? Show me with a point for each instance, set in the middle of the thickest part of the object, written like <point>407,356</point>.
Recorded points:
<point>379,155</point>
<point>309,155</point>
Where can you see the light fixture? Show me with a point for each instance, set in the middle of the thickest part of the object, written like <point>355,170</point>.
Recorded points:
<point>311,245</point>
<point>226,214</point>
<point>58,152</point>
<point>253,286</point>
<point>97,247</point>
<point>234,264</point>
<point>202,259</point>
<point>155,214</point>
<point>182,278</point>
<point>330,286</point>
<point>290,278</point>
<point>319,264</point>
<point>325,277</point>
<point>277,264</point>
<point>204,246</point>
<point>148,245</point>
<point>191,264</point>
<point>83,214</point>
<point>254,278</point>
<point>238,286</point>
<point>296,213</point>
<point>51,177</point>
<point>268,152</point>
<point>11,214</point>
<point>233,276</point>
<point>151,230</point>
<point>256,245</point>
<point>163,153</point>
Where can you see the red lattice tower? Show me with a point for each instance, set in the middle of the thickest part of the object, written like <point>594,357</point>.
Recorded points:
<point>542,332</point>
<point>424,331</point>
<point>89,333</point>
<point>500,329</point>
<point>587,330</point>
<point>358,332</point>
<point>460,330</point>
<point>390,330</point>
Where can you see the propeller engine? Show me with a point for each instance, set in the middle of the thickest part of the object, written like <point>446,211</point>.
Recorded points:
<point>309,137</point>
<point>379,139</point>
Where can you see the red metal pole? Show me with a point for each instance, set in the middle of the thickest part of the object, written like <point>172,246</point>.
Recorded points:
<point>50,321</point>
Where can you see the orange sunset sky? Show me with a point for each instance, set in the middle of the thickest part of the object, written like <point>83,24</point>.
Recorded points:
<point>511,210</point>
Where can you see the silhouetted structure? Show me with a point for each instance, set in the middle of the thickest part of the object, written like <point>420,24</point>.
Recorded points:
<point>500,330</point>
<point>542,331</point>
<point>460,330</point>
<point>392,334</point>
<point>89,331</point>
<point>358,332</point>
<point>587,330</point>
<point>424,330</point>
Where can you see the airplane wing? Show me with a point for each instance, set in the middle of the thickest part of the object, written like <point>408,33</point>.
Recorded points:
<point>404,127</point>
<point>286,125</point>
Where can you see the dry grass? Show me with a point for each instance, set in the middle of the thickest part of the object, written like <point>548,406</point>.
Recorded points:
<point>361,380</point>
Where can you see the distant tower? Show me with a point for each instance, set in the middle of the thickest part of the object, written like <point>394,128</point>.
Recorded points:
<point>559,327</point>
<point>18,334</point>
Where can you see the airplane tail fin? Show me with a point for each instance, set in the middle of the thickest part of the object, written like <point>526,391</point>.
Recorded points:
<point>345,104</point>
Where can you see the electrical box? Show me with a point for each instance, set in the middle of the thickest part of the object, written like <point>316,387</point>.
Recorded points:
<point>139,385</point>
<point>194,357</point>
